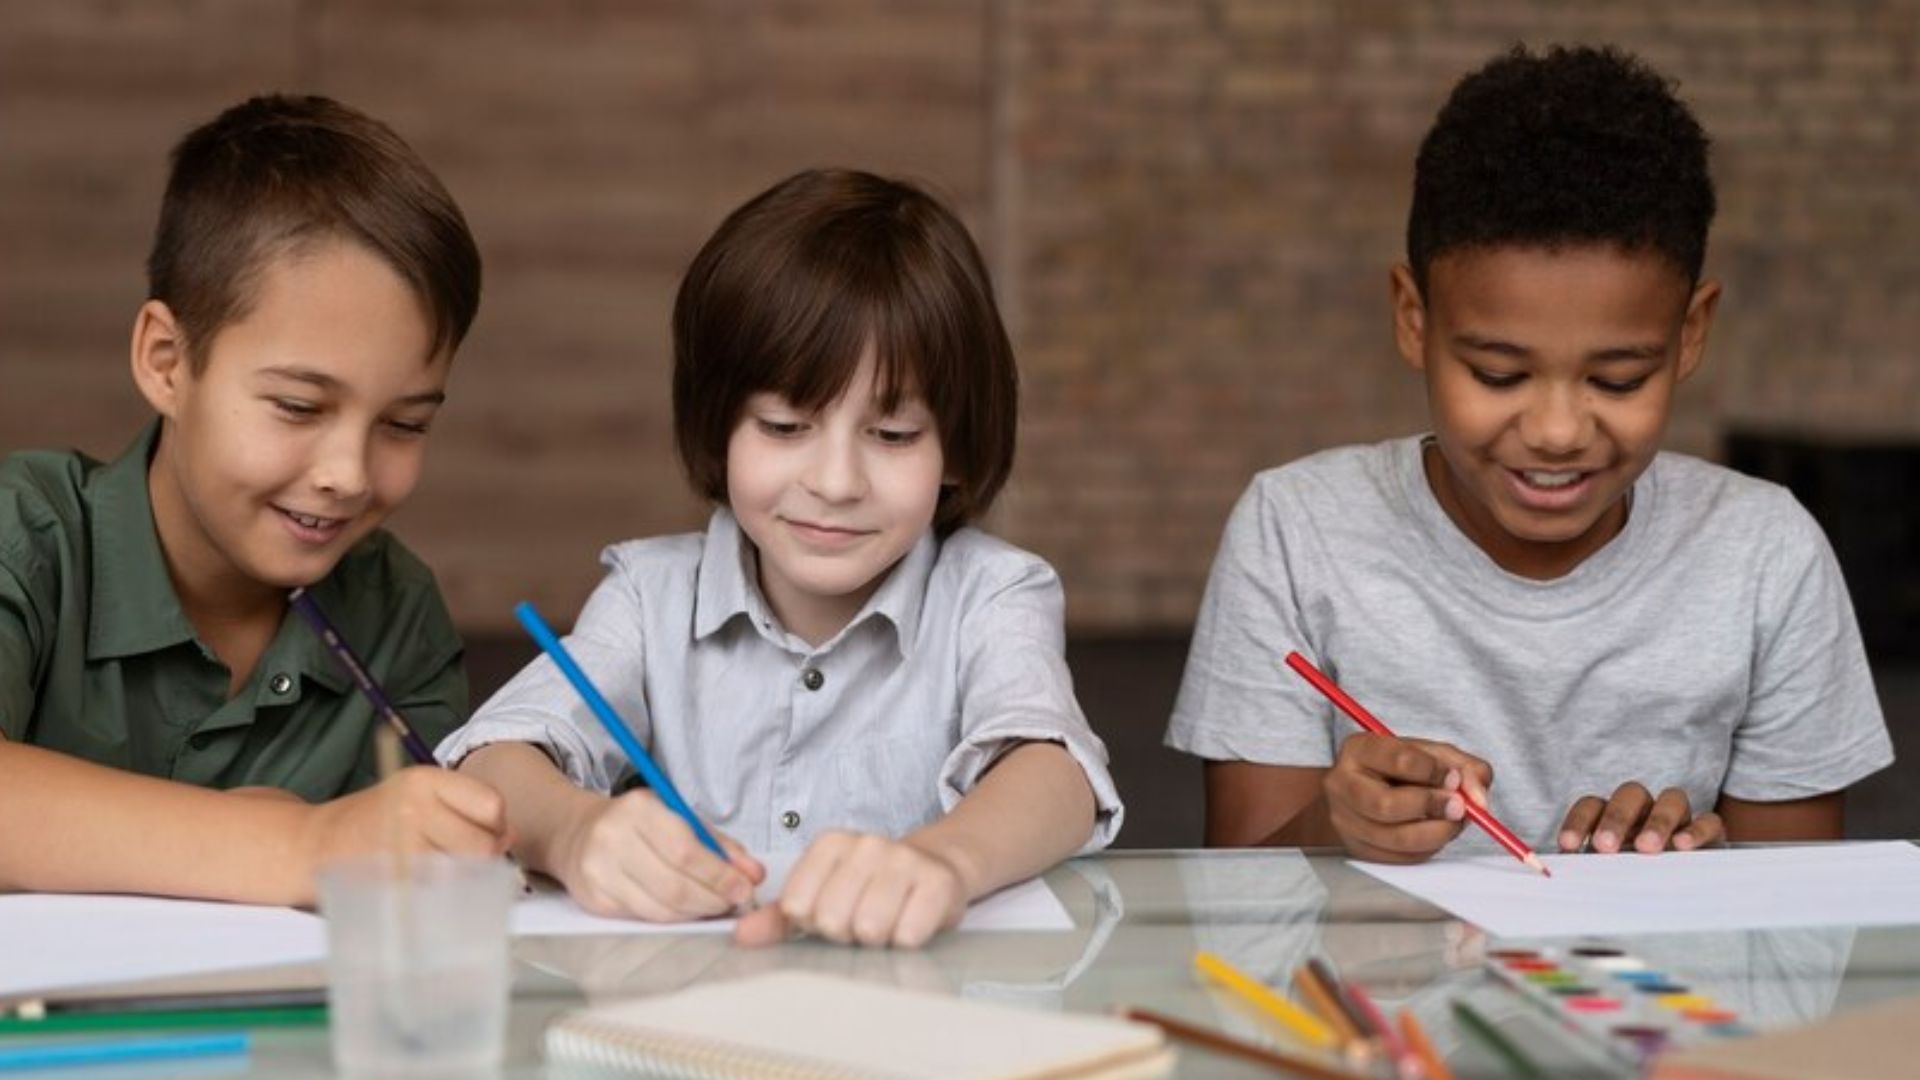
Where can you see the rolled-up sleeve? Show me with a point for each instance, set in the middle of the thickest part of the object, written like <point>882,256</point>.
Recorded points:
<point>1015,688</point>
<point>538,705</point>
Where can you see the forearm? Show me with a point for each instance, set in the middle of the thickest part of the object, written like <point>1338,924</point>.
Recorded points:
<point>99,829</point>
<point>1251,805</point>
<point>1822,817</point>
<point>1031,810</point>
<point>542,803</point>
<point>1311,826</point>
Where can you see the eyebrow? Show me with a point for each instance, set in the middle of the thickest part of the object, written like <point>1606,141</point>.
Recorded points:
<point>323,381</point>
<point>1612,354</point>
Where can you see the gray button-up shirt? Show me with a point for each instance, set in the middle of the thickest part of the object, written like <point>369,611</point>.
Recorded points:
<point>956,658</point>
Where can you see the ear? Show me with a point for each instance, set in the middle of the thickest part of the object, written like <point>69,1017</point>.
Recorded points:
<point>1693,331</point>
<point>1409,317</point>
<point>159,357</point>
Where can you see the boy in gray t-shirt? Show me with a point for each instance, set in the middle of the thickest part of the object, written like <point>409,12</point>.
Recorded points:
<point>1646,650</point>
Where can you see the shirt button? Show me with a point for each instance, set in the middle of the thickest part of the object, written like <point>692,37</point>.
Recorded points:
<point>791,820</point>
<point>200,742</point>
<point>812,679</point>
<point>281,683</point>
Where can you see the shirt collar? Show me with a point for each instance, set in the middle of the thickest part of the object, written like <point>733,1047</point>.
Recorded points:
<point>727,588</point>
<point>134,608</point>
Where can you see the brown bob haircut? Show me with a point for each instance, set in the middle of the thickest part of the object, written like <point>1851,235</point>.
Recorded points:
<point>277,175</point>
<point>786,295</point>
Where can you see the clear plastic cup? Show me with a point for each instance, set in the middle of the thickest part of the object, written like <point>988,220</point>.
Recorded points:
<point>418,963</point>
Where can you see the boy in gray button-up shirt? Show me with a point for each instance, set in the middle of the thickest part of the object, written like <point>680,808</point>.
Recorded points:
<point>838,669</point>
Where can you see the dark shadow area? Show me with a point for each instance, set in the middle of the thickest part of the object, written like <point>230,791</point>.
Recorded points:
<point>1866,496</point>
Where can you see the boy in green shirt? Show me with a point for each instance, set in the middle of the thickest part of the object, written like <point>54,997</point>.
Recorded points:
<point>165,723</point>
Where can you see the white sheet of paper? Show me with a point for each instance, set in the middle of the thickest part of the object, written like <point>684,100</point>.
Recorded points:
<point>1863,884</point>
<point>54,942</point>
<point>1029,905</point>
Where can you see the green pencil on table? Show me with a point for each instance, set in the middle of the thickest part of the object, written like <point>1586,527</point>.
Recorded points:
<point>183,1018</point>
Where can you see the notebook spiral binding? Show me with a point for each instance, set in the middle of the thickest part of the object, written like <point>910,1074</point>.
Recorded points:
<point>672,1056</point>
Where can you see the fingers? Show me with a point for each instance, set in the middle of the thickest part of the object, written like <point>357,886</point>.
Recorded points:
<point>868,890</point>
<point>762,926</point>
<point>1621,818</point>
<point>1398,800</point>
<point>1400,761</point>
<point>637,858</point>
<point>474,802</point>
<point>1581,817</point>
<point>741,858</point>
<point>1703,831</point>
<point>1476,774</point>
<point>1670,812</point>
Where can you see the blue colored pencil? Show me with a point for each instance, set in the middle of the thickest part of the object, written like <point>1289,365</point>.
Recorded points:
<point>303,603</point>
<point>616,727</point>
<point>100,1052</point>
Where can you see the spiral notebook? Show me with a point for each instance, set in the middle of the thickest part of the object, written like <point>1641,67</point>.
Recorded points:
<point>805,1026</point>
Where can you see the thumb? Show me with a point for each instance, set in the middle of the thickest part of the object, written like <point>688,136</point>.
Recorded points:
<point>762,926</point>
<point>741,859</point>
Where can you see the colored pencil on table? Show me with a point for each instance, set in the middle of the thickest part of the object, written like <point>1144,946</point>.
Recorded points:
<point>1254,992</point>
<point>101,1052</point>
<point>1476,813</point>
<point>181,1018</point>
<point>1416,1037</point>
<point>1405,1062</point>
<point>1221,1042</point>
<point>35,1008</point>
<point>1341,1000</point>
<point>1324,999</point>
<point>1486,1031</point>
<point>603,711</point>
<point>303,604</point>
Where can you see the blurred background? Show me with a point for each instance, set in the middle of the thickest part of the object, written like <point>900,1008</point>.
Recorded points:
<point>1189,209</point>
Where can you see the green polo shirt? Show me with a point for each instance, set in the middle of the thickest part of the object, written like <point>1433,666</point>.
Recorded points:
<point>97,659</point>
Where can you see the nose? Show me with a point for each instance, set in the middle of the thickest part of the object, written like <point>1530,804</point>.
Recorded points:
<point>835,471</point>
<point>1556,421</point>
<point>339,467</point>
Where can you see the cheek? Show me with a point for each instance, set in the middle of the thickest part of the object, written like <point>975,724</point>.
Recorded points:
<point>916,483</point>
<point>749,473</point>
<point>396,469</point>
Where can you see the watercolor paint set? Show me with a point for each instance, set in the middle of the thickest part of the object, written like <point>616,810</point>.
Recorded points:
<point>1632,1008</point>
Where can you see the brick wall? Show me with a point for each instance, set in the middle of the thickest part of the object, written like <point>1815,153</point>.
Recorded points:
<point>1190,208</point>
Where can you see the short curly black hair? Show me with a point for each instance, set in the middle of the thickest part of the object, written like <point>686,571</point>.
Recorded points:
<point>1580,145</point>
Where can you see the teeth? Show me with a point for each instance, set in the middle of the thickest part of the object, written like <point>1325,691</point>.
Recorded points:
<point>1550,479</point>
<point>308,521</point>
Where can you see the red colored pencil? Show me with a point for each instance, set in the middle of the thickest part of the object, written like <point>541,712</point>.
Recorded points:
<point>1405,1061</point>
<point>1480,815</point>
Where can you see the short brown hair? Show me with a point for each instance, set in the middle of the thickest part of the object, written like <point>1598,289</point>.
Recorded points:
<point>276,174</point>
<point>788,292</point>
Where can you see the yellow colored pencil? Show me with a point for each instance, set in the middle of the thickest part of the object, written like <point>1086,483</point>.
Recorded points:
<point>1295,1019</point>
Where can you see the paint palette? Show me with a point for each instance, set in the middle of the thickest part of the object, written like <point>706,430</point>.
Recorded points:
<point>1632,1008</point>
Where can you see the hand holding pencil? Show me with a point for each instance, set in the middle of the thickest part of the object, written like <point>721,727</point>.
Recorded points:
<point>1401,800</point>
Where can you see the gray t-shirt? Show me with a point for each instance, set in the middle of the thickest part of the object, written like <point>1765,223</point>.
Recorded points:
<point>1709,646</point>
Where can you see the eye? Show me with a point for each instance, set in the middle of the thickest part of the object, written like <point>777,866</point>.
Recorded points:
<point>1496,379</point>
<point>295,410</point>
<point>778,429</point>
<point>897,436</point>
<point>407,428</point>
<point>1622,386</point>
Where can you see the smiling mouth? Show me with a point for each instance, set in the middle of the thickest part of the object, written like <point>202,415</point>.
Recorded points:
<point>1550,480</point>
<point>826,532</point>
<point>313,524</point>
